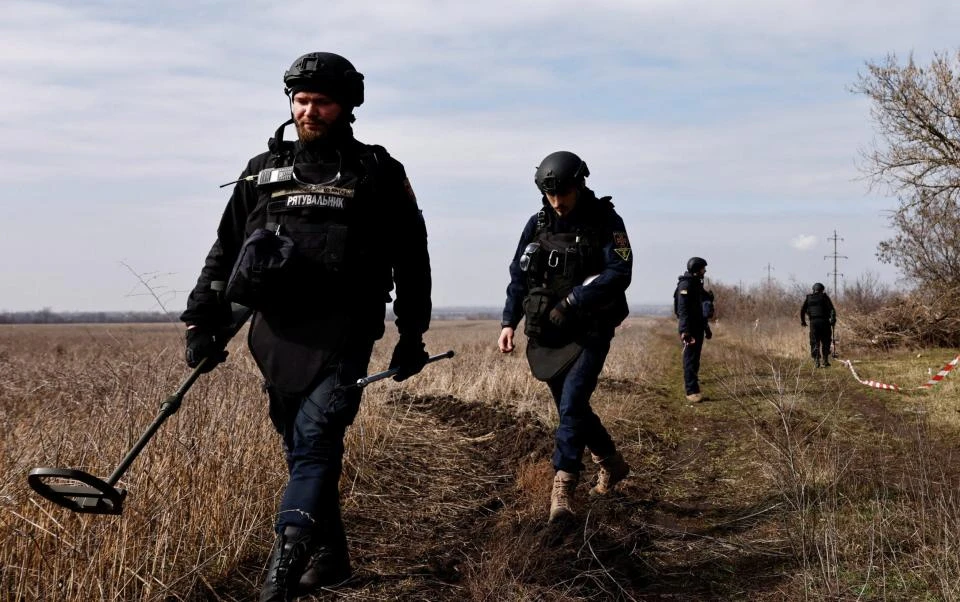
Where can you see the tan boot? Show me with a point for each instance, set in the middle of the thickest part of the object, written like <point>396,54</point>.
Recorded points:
<point>613,469</point>
<point>561,500</point>
<point>695,397</point>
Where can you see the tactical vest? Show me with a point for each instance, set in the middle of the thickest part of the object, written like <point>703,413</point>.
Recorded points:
<point>315,268</point>
<point>554,263</point>
<point>312,242</point>
<point>817,307</point>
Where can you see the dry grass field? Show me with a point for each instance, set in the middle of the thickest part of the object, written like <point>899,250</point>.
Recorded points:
<point>787,483</point>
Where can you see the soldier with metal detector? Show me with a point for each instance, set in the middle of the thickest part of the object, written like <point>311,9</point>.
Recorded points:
<point>818,306</point>
<point>567,280</point>
<point>315,236</point>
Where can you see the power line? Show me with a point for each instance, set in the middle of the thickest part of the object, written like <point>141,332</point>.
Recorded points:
<point>835,256</point>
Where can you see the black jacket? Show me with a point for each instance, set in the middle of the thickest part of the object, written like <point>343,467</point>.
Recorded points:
<point>387,246</point>
<point>604,294</point>
<point>688,304</point>
<point>818,306</point>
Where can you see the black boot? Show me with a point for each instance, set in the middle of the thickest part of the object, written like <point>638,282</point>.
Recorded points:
<point>287,561</point>
<point>330,563</point>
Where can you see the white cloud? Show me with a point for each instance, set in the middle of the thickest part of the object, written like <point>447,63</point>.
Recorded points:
<point>804,242</point>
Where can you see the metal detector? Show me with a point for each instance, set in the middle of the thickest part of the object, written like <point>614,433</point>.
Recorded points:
<point>81,491</point>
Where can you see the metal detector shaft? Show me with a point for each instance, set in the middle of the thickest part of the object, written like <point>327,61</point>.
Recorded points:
<point>172,403</point>
<point>168,408</point>
<point>366,380</point>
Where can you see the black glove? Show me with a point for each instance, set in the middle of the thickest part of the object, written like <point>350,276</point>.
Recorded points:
<point>201,343</point>
<point>707,333</point>
<point>560,313</point>
<point>409,356</point>
<point>686,338</point>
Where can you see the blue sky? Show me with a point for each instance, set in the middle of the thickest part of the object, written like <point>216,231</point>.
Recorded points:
<point>721,129</point>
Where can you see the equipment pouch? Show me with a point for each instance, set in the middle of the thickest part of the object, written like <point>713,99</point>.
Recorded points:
<point>536,310</point>
<point>320,247</point>
<point>263,268</point>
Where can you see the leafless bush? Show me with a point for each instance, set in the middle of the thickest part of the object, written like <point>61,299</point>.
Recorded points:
<point>916,319</point>
<point>867,294</point>
<point>760,301</point>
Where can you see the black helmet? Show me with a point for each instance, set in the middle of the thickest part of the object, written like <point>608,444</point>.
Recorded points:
<point>328,73</point>
<point>695,264</point>
<point>817,287</point>
<point>559,172</point>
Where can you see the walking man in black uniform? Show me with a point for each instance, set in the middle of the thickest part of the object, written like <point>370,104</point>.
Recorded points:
<point>567,279</point>
<point>688,304</point>
<point>823,316</point>
<point>314,237</point>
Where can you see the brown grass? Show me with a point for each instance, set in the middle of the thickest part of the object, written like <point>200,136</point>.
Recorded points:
<point>788,483</point>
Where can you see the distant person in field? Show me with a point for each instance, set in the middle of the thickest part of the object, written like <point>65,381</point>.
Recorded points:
<point>315,236</point>
<point>693,307</point>
<point>819,308</point>
<point>567,280</point>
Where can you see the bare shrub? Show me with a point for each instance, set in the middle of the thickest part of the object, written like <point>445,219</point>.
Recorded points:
<point>757,302</point>
<point>916,319</point>
<point>866,294</point>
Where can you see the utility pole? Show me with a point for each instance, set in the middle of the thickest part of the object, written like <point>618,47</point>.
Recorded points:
<point>769,277</point>
<point>835,257</point>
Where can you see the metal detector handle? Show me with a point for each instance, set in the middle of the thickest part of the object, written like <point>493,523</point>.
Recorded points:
<point>239,315</point>
<point>363,382</point>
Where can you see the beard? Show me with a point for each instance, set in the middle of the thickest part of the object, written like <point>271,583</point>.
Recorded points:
<point>319,131</point>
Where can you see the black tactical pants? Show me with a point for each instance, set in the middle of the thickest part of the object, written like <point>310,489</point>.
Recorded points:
<point>820,339</point>
<point>691,364</point>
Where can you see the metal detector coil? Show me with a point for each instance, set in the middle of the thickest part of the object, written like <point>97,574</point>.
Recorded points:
<point>94,496</point>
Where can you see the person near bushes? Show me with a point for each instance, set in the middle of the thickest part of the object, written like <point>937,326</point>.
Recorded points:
<point>568,280</point>
<point>315,236</point>
<point>818,307</point>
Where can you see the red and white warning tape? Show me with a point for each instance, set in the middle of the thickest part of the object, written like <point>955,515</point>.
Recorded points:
<point>940,375</point>
<point>887,387</point>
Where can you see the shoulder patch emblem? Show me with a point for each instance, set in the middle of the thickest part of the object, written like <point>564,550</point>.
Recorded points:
<point>683,292</point>
<point>621,245</point>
